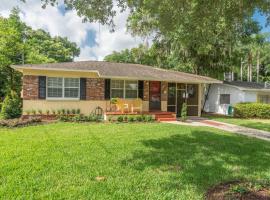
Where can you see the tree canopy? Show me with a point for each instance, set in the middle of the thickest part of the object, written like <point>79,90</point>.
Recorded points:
<point>20,44</point>
<point>202,36</point>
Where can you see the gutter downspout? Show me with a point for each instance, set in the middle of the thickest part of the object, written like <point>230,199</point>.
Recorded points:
<point>206,97</point>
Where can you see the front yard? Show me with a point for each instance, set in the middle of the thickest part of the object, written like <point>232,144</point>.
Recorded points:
<point>261,124</point>
<point>124,161</point>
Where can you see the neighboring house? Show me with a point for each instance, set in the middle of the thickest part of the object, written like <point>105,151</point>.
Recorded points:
<point>91,84</point>
<point>221,96</point>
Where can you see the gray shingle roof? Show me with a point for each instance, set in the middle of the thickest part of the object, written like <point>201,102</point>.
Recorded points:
<point>247,85</point>
<point>123,70</point>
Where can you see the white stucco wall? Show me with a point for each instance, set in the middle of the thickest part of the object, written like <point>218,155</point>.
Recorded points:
<point>212,104</point>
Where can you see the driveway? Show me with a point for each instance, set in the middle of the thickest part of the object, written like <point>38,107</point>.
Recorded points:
<point>250,132</point>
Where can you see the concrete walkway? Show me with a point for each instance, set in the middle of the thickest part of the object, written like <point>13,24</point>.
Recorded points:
<point>250,132</point>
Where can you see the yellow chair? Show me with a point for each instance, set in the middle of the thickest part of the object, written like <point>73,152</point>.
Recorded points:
<point>122,105</point>
<point>136,105</point>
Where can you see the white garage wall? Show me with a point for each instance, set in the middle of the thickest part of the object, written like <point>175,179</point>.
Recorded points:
<point>237,96</point>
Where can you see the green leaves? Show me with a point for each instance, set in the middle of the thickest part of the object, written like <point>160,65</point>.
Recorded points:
<point>20,44</point>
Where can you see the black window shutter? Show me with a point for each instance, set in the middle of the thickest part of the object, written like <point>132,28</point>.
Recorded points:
<point>82,88</point>
<point>42,87</point>
<point>141,86</point>
<point>107,89</point>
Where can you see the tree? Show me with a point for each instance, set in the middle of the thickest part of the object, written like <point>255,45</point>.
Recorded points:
<point>20,44</point>
<point>11,107</point>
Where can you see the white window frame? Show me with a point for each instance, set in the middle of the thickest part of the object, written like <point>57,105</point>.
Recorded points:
<point>124,95</point>
<point>63,89</point>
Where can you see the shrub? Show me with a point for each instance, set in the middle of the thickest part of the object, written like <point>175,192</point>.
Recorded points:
<point>59,112</point>
<point>11,107</point>
<point>78,111</point>
<point>68,111</point>
<point>53,112</point>
<point>139,118</point>
<point>120,118</point>
<point>40,112</point>
<point>73,111</point>
<point>19,122</point>
<point>184,112</point>
<point>252,110</point>
<point>34,112</point>
<point>47,112</point>
<point>149,118</point>
<point>79,118</point>
<point>131,118</point>
<point>63,111</point>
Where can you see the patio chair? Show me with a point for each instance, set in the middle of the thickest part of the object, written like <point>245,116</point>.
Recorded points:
<point>136,105</point>
<point>122,105</point>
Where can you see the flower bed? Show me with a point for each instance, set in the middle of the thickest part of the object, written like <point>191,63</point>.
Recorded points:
<point>18,122</point>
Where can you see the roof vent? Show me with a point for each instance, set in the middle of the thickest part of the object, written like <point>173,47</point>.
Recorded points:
<point>267,85</point>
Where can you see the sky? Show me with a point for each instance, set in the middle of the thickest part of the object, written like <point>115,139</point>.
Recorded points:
<point>94,40</point>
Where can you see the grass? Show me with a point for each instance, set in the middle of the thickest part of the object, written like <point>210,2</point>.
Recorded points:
<point>138,161</point>
<point>261,124</point>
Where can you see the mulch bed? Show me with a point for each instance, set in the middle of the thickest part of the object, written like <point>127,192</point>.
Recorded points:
<point>239,190</point>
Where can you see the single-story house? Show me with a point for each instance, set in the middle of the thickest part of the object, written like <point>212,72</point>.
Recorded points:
<point>87,85</point>
<point>219,97</point>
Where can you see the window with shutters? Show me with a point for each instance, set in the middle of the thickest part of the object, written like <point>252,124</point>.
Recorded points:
<point>127,89</point>
<point>63,88</point>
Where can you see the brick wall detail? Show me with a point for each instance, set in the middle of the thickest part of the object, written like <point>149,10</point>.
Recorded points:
<point>30,87</point>
<point>95,89</point>
<point>164,91</point>
<point>146,91</point>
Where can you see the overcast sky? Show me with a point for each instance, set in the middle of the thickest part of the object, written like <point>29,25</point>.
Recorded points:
<point>94,41</point>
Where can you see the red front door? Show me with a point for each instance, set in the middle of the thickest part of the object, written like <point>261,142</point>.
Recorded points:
<point>155,96</point>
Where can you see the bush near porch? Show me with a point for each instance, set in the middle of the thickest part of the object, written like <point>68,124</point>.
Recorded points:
<point>252,110</point>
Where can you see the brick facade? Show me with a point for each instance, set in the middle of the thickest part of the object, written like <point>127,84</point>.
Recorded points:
<point>146,91</point>
<point>164,91</point>
<point>30,87</point>
<point>95,89</point>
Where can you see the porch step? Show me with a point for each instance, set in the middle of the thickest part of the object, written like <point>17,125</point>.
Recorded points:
<point>166,119</point>
<point>164,116</point>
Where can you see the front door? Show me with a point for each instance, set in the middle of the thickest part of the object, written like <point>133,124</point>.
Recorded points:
<point>155,96</point>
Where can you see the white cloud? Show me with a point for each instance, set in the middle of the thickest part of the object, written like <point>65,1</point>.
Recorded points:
<point>71,26</point>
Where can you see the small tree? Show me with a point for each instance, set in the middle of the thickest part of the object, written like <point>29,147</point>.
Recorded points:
<point>184,112</point>
<point>11,106</point>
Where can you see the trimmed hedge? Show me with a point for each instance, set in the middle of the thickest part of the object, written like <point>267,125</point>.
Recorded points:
<point>79,118</point>
<point>131,118</point>
<point>252,110</point>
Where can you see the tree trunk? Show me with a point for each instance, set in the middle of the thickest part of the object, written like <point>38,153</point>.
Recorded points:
<point>258,65</point>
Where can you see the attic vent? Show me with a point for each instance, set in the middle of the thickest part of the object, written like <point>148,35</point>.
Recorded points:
<point>267,85</point>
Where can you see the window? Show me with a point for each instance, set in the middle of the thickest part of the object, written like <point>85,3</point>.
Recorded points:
<point>58,87</point>
<point>72,87</point>
<point>225,99</point>
<point>124,89</point>
<point>55,87</point>
<point>264,99</point>
<point>117,89</point>
<point>131,88</point>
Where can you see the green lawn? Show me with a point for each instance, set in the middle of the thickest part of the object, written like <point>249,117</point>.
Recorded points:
<point>139,161</point>
<point>261,124</point>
